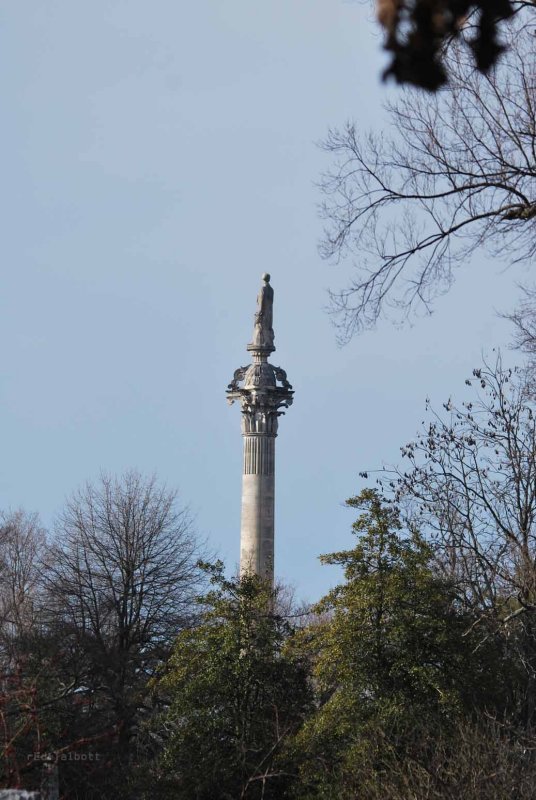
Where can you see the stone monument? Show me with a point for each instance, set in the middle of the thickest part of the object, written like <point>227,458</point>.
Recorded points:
<point>263,391</point>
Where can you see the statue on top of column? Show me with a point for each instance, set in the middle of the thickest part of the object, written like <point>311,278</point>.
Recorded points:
<point>263,332</point>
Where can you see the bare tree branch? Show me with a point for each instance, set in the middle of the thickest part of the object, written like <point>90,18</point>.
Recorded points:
<point>121,581</point>
<point>458,174</point>
<point>469,483</point>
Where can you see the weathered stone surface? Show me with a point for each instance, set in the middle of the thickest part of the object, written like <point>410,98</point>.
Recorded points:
<point>257,528</point>
<point>263,332</point>
<point>263,391</point>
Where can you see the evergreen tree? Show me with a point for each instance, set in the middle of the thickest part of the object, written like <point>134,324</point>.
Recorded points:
<point>394,658</point>
<point>237,692</point>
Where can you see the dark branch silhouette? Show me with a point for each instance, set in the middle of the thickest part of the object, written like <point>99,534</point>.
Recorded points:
<point>457,173</point>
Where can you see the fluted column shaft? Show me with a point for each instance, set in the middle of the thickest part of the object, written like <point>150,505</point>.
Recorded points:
<point>258,500</point>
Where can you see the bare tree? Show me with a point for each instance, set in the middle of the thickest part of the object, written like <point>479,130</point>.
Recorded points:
<point>469,482</point>
<point>477,759</point>
<point>22,550</point>
<point>22,545</point>
<point>457,173</point>
<point>523,319</point>
<point>121,581</point>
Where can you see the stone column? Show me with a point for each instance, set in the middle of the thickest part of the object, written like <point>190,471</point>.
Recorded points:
<point>258,498</point>
<point>263,391</point>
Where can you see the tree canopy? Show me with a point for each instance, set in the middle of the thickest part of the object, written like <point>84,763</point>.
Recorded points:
<point>237,693</point>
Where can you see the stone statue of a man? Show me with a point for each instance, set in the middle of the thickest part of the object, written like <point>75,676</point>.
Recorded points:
<point>263,333</point>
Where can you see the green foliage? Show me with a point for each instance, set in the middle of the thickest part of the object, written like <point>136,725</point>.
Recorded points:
<point>237,691</point>
<point>393,689</point>
<point>394,658</point>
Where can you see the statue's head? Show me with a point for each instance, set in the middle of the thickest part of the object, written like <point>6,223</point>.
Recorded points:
<point>266,277</point>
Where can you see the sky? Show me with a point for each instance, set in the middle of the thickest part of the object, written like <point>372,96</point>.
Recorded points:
<point>156,159</point>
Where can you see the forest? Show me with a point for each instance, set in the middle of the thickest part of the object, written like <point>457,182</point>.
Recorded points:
<point>136,667</point>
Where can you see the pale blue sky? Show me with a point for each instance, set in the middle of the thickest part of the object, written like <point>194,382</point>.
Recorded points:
<point>156,159</point>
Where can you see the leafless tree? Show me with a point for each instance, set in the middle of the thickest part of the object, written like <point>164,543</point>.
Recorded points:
<point>22,551</point>
<point>523,319</point>
<point>457,173</point>
<point>469,482</point>
<point>478,759</point>
<point>121,581</point>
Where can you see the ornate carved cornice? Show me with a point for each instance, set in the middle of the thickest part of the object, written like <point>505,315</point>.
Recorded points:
<point>263,391</point>
<point>261,388</point>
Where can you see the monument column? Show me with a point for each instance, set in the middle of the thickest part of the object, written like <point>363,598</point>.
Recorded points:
<point>262,390</point>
